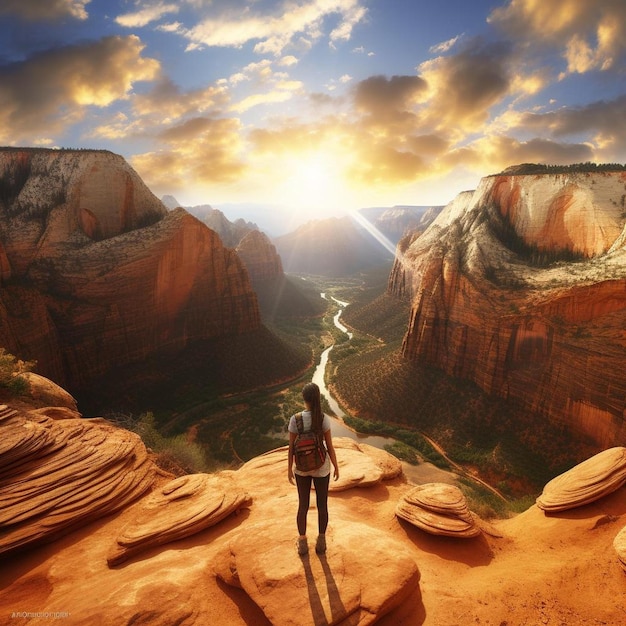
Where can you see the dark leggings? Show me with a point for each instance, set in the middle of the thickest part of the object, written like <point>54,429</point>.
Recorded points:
<point>321,496</point>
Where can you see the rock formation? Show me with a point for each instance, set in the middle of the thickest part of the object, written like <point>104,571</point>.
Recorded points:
<point>520,286</point>
<point>588,481</point>
<point>231,233</point>
<point>336,588</point>
<point>438,509</point>
<point>260,257</point>
<point>58,475</point>
<point>96,273</point>
<point>180,508</point>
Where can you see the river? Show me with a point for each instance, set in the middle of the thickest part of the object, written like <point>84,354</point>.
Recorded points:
<point>423,473</point>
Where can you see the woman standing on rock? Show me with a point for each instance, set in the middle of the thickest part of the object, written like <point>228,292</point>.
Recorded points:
<point>312,420</point>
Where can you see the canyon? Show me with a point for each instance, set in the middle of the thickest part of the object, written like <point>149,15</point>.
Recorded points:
<point>520,287</point>
<point>96,273</point>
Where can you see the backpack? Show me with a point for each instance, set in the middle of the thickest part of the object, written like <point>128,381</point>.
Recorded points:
<point>308,451</point>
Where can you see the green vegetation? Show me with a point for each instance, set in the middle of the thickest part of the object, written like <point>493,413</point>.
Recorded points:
<point>11,370</point>
<point>541,168</point>
<point>175,454</point>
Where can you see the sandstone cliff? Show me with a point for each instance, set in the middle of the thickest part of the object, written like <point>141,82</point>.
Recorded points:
<point>96,273</point>
<point>520,286</point>
<point>259,256</point>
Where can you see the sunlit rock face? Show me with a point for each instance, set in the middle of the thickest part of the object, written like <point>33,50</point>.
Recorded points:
<point>259,256</point>
<point>521,287</point>
<point>96,273</point>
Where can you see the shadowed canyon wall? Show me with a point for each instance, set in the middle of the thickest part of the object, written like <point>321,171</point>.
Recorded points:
<point>96,273</point>
<point>520,286</point>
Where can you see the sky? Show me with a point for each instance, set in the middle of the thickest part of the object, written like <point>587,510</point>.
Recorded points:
<point>318,107</point>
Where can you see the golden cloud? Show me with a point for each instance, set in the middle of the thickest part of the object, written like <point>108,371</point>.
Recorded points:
<point>49,90</point>
<point>199,152</point>
<point>169,103</point>
<point>462,88</point>
<point>590,35</point>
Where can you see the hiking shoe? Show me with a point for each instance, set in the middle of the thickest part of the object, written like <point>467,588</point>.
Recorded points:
<point>303,547</point>
<point>320,546</point>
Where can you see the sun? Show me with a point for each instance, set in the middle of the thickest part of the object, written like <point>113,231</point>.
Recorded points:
<point>313,180</point>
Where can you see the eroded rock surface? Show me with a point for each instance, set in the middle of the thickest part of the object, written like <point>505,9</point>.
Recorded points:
<point>363,575</point>
<point>180,508</point>
<point>56,475</point>
<point>490,304</point>
<point>438,509</point>
<point>586,482</point>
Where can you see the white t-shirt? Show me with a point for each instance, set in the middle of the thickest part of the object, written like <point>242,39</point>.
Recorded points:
<point>324,470</point>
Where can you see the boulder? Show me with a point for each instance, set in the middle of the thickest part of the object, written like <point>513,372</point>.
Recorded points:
<point>47,393</point>
<point>620,547</point>
<point>438,509</point>
<point>178,509</point>
<point>590,480</point>
<point>335,588</point>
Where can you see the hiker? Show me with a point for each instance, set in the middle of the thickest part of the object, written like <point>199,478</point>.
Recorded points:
<point>304,428</point>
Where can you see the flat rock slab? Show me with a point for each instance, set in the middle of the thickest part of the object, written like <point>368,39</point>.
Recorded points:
<point>56,475</point>
<point>438,509</point>
<point>178,509</point>
<point>363,575</point>
<point>586,482</point>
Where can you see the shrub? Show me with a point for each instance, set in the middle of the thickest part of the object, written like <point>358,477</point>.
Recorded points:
<point>11,370</point>
<point>175,454</point>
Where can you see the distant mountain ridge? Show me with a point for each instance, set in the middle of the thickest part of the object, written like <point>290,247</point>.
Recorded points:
<point>231,233</point>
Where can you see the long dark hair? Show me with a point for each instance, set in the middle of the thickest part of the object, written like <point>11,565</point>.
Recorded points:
<point>311,395</point>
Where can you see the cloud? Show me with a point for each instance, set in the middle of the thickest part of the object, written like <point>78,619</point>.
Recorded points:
<point>45,10</point>
<point>444,46</point>
<point>149,13</point>
<point>271,97</point>
<point>167,102</point>
<point>388,99</point>
<point>274,31</point>
<point>203,150</point>
<point>463,87</point>
<point>603,121</point>
<point>493,153</point>
<point>50,90</point>
<point>589,35</point>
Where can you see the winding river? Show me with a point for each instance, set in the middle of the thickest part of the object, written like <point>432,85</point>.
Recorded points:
<point>424,472</point>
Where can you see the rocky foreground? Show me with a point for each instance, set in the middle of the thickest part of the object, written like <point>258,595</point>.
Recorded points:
<point>93,532</point>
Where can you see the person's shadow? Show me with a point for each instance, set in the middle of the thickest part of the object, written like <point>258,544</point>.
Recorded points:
<point>335,604</point>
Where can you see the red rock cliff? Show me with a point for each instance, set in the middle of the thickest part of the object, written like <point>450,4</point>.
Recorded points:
<point>259,256</point>
<point>95,272</point>
<point>497,298</point>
